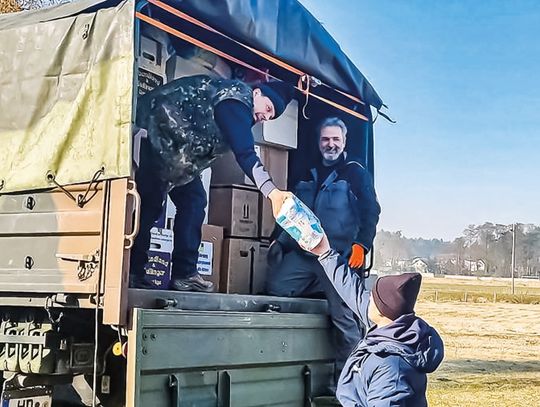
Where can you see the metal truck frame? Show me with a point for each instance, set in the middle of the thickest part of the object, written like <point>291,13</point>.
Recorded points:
<point>71,330</point>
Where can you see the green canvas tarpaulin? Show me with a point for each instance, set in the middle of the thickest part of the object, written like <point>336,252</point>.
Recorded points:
<point>66,80</point>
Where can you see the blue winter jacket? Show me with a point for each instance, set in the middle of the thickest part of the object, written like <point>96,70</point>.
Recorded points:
<point>388,367</point>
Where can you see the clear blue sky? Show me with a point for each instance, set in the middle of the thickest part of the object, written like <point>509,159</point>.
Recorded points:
<point>462,78</point>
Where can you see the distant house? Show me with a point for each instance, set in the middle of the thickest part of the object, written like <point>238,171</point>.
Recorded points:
<point>474,265</point>
<point>419,265</point>
<point>447,258</point>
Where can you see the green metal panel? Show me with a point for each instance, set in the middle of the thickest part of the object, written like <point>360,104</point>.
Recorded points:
<point>272,385</point>
<point>197,389</point>
<point>218,338</point>
<point>224,358</point>
<point>225,302</point>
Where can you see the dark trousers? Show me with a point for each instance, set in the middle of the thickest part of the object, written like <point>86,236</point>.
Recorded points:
<point>301,275</point>
<point>190,201</point>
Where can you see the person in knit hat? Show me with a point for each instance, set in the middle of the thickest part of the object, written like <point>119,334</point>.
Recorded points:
<point>389,366</point>
<point>190,122</point>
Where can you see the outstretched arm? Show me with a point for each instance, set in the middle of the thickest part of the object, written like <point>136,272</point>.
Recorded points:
<point>234,120</point>
<point>349,285</point>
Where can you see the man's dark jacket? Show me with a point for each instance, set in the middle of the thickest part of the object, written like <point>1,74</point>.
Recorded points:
<point>343,197</point>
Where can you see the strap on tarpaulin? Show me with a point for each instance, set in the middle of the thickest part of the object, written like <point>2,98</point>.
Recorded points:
<point>203,45</point>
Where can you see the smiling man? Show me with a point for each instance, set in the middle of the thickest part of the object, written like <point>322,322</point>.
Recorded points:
<point>190,122</point>
<point>341,193</point>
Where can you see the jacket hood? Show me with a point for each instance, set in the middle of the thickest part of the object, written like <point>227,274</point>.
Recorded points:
<point>411,338</point>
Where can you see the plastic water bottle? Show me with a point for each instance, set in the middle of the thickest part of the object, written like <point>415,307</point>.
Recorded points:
<point>300,223</point>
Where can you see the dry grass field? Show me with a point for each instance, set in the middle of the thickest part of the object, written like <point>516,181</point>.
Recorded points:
<point>481,291</point>
<point>492,354</point>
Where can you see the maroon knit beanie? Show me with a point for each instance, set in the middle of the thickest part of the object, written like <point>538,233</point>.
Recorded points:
<point>396,295</point>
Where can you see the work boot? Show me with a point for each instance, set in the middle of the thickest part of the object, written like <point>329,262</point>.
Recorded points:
<point>136,281</point>
<point>193,283</point>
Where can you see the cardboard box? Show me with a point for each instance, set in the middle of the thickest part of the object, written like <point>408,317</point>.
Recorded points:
<point>225,169</point>
<point>209,262</point>
<point>235,208</point>
<point>275,161</point>
<point>239,262</point>
<point>158,269</point>
<point>267,222</point>
<point>151,59</point>
<point>282,132</point>
<point>201,63</point>
<point>258,284</point>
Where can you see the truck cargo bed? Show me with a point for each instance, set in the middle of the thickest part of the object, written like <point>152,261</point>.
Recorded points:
<point>227,350</point>
<point>223,302</point>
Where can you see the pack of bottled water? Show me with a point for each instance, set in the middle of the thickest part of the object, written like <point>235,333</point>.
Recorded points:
<point>300,223</point>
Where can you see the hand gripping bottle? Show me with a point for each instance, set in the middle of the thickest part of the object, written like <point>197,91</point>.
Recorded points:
<point>300,222</point>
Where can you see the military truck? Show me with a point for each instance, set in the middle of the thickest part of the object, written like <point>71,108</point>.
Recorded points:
<point>71,331</point>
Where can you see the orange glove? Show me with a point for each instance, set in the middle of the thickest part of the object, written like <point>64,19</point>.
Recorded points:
<point>357,256</point>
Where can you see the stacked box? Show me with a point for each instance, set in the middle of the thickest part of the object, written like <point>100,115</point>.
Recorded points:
<point>258,283</point>
<point>244,265</point>
<point>236,209</point>
<point>225,171</point>
<point>244,268</point>
<point>282,132</point>
<point>209,263</point>
<point>152,61</point>
<point>238,265</point>
<point>199,62</point>
<point>275,161</point>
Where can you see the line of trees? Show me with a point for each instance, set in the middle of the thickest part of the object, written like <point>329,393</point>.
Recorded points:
<point>488,247</point>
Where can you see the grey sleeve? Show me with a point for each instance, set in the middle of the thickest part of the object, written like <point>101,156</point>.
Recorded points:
<point>349,285</point>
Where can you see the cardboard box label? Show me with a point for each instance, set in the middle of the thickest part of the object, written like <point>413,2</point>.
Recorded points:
<point>158,269</point>
<point>204,263</point>
<point>148,81</point>
<point>161,240</point>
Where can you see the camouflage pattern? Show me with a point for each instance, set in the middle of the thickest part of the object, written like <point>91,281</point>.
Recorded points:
<point>179,118</point>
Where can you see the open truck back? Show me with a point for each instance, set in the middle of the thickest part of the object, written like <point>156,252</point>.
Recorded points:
<point>69,211</point>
